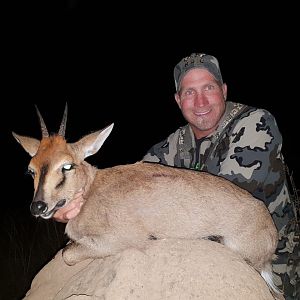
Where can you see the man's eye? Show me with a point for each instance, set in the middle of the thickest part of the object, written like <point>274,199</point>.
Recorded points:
<point>209,87</point>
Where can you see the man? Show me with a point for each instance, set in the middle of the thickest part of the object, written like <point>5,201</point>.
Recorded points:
<point>232,140</point>
<point>235,141</point>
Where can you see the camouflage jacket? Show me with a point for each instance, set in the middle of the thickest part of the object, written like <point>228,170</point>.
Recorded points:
<point>246,149</point>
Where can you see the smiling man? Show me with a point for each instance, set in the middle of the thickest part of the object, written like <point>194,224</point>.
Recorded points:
<point>235,141</point>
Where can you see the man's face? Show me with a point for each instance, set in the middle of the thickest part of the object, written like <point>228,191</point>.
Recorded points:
<point>202,101</point>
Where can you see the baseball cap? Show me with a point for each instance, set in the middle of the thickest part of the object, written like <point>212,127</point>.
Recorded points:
<point>197,60</point>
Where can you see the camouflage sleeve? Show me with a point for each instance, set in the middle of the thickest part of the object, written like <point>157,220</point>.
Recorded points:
<point>164,152</point>
<point>254,159</point>
<point>155,153</point>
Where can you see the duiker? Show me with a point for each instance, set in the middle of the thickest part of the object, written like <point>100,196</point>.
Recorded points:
<point>133,205</point>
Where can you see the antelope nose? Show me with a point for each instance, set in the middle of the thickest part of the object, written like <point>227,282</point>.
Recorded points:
<point>38,208</point>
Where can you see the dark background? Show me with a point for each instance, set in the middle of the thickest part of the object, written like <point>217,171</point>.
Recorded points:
<point>116,65</point>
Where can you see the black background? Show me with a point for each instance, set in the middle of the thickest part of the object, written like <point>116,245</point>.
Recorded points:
<point>116,65</point>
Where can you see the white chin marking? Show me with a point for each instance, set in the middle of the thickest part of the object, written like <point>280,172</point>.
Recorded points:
<point>48,215</point>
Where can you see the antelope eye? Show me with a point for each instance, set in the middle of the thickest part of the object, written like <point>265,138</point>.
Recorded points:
<point>67,167</point>
<point>30,172</point>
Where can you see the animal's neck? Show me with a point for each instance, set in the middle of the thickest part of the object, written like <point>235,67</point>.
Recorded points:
<point>89,174</point>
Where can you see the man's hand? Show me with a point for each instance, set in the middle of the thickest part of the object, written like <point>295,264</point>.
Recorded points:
<point>71,210</point>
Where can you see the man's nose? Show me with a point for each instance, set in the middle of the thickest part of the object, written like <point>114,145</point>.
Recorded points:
<point>200,100</point>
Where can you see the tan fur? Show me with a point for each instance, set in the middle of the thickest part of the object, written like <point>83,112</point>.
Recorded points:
<point>125,206</point>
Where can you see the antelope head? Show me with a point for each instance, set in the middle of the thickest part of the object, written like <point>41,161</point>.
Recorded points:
<point>58,167</point>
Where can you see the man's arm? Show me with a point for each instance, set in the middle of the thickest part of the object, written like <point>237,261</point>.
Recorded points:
<point>254,160</point>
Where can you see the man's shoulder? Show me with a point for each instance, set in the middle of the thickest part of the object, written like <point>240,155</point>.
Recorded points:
<point>174,136</point>
<point>167,145</point>
<point>249,112</point>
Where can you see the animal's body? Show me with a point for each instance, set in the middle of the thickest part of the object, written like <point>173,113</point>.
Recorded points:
<point>133,205</point>
<point>130,205</point>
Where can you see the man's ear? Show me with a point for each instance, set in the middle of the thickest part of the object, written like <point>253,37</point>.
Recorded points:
<point>224,89</point>
<point>177,98</point>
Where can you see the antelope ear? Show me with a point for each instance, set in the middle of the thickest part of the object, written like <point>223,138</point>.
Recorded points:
<point>91,143</point>
<point>29,144</point>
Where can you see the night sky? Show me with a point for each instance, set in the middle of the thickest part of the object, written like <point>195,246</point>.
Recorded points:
<point>112,66</point>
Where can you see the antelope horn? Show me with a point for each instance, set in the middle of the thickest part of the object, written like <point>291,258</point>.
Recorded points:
<point>62,128</point>
<point>43,125</point>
